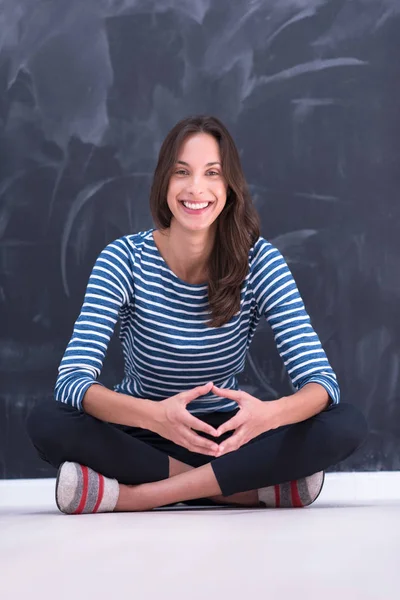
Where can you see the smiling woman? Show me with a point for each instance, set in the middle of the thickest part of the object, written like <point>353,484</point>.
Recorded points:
<point>200,188</point>
<point>198,164</point>
<point>190,295</point>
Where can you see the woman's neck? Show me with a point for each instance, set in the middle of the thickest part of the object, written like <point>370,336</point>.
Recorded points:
<point>186,252</point>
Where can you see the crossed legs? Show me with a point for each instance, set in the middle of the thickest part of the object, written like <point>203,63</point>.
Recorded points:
<point>155,472</point>
<point>184,483</point>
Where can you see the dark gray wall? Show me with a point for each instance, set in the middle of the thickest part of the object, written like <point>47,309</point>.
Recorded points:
<point>310,90</point>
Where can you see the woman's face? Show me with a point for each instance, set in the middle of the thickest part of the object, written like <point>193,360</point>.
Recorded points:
<point>197,178</point>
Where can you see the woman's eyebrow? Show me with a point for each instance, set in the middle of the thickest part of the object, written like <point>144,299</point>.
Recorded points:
<point>182,162</point>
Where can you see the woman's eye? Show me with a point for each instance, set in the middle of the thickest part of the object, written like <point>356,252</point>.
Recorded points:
<point>183,172</point>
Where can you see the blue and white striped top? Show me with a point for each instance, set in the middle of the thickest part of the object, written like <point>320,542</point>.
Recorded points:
<point>167,346</point>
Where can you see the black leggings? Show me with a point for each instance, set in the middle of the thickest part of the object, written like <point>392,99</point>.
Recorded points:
<point>133,455</point>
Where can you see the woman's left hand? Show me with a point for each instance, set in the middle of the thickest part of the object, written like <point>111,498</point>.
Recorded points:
<point>254,417</point>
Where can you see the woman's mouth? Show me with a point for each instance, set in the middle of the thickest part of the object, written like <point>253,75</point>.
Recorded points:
<point>195,208</point>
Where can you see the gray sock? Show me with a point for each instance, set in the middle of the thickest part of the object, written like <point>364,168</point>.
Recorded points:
<point>80,489</point>
<point>298,493</point>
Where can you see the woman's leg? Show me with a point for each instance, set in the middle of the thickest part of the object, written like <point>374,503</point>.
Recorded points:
<point>284,454</point>
<point>293,451</point>
<point>131,455</point>
<point>61,433</point>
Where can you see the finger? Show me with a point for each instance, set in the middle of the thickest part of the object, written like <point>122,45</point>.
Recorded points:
<point>200,390</point>
<point>198,424</point>
<point>227,449</point>
<point>232,444</point>
<point>233,423</point>
<point>231,394</point>
<point>201,450</point>
<point>197,440</point>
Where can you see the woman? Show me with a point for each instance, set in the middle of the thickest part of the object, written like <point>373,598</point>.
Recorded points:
<point>189,295</point>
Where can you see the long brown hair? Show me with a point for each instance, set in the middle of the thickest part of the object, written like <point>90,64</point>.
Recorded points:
<point>238,225</point>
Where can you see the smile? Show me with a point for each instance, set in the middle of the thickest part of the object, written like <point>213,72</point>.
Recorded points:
<point>195,207</point>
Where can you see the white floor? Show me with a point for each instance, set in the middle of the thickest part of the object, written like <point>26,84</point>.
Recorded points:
<point>345,546</point>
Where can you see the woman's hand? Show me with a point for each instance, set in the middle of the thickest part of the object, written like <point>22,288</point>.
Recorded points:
<point>254,417</point>
<point>172,420</point>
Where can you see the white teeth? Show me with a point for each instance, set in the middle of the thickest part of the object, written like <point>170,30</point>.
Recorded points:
<point>195,206</point>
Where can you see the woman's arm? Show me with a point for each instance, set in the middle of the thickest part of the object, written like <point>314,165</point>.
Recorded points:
<point>109,288</point>
<point>299,346</point>
<point>113,407</point>
<point>302,405</point>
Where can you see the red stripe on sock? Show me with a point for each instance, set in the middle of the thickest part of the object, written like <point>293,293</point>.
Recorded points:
<point>84,491</point>
<point>296,500</point>
<point>100,492</point>
<point>277,496</point>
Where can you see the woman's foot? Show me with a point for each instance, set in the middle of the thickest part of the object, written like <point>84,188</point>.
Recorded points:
<point>81,490</point>
<point>293,494</point>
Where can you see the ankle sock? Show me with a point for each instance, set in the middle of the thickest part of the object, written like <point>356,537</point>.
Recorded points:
<point>80,489</point>
<point>293,494</point>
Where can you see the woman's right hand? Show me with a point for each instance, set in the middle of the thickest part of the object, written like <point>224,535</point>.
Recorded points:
<point>173,421</point>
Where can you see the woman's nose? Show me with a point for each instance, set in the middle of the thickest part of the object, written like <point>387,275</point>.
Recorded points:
<point>195,185</point>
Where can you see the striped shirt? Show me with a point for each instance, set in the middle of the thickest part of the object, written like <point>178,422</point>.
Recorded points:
<point>167,346</point>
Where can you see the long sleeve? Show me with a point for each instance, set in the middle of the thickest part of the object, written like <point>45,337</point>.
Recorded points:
<point>278,299</point>
<point>109,289</point>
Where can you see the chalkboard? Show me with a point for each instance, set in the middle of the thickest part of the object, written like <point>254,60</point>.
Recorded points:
<point>310,92</point>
